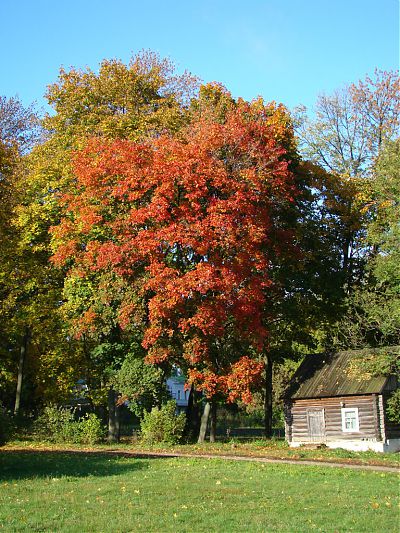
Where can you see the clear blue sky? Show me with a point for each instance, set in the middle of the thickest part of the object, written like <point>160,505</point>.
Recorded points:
<point>284,50</point>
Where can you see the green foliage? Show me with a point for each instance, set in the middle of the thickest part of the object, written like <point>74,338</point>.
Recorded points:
<point>241,415</point>
<point>108,355</point>
<point>384,229</point>
<point>91,430</point>
<point>140,383</point>
<point>162,425</point>
<point>345,138</point>
<point>58,425</point>
<point>373,316</point>
<point>393,407</point>
<point>55,424</point>
<point>372,319</point>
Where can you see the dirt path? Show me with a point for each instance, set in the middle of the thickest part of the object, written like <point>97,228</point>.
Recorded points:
<point>155,455</point>
<point>258,460</point>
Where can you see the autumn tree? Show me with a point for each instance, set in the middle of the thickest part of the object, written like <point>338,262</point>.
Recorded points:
<point>345,138</point>
<point>140,100</point>
<point>191,226</point>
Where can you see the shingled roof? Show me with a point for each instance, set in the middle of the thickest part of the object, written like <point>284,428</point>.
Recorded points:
<point>327,374</point>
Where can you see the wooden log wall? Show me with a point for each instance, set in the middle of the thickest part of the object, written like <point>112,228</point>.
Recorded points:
<point>368,413</point>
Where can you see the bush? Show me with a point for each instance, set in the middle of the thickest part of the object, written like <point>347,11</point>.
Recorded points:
<point>55,424</point>
<point>58,425</point>
<point>91,429</point>
<point>162,425</point>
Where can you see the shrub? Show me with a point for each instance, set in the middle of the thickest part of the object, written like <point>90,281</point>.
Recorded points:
<point>55,424</point>
<point>91,429</point>
<point>162,425</point>
<point>58,425</point>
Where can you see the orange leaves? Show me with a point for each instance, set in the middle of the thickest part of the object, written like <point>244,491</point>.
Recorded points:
<point>243,375</point>
<point>207,382</point>
<point>191,223</point>
<point>64,252</point>
<point>87,322</point>
<point>195,351</point>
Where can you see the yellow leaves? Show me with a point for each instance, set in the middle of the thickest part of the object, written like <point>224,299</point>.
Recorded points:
<point>120,100</point>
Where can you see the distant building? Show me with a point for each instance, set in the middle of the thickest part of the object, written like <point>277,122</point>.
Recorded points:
<point>176,387</point>
<point>325,405</point>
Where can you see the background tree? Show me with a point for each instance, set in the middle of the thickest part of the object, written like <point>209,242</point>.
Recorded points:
<point>345,138</point>
<point>141,384</point>
<point>341,144</point>
<point>19,132</point>
<point>375,305</point>
<point>351,125</point>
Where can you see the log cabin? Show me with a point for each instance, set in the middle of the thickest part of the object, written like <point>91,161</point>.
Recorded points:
<point>326,403</point>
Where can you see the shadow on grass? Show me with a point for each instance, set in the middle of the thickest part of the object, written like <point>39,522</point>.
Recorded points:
<point>32,465</point>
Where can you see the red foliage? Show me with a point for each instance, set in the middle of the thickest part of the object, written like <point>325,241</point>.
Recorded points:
<point>194,218</point>
<point>235,384</point>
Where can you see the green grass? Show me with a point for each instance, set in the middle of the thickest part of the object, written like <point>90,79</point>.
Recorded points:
<point>78,492</point>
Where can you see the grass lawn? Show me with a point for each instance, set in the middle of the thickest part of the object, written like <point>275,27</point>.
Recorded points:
<point>78,492</point>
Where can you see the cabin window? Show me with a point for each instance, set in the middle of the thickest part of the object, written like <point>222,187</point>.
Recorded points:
<point>350,422</point>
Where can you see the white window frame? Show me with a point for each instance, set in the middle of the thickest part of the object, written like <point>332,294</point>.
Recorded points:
<point>346,410</point>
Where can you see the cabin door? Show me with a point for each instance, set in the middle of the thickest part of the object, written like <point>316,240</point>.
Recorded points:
<point>316,425</point>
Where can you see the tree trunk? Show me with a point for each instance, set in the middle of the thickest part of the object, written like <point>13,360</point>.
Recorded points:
<point>348,262</point>
<point>192,426</point>
<point>268,397</point>
<point>204,422</point>
<point>213,421</point>
<point>21,365</point>
<point>113,417</point>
